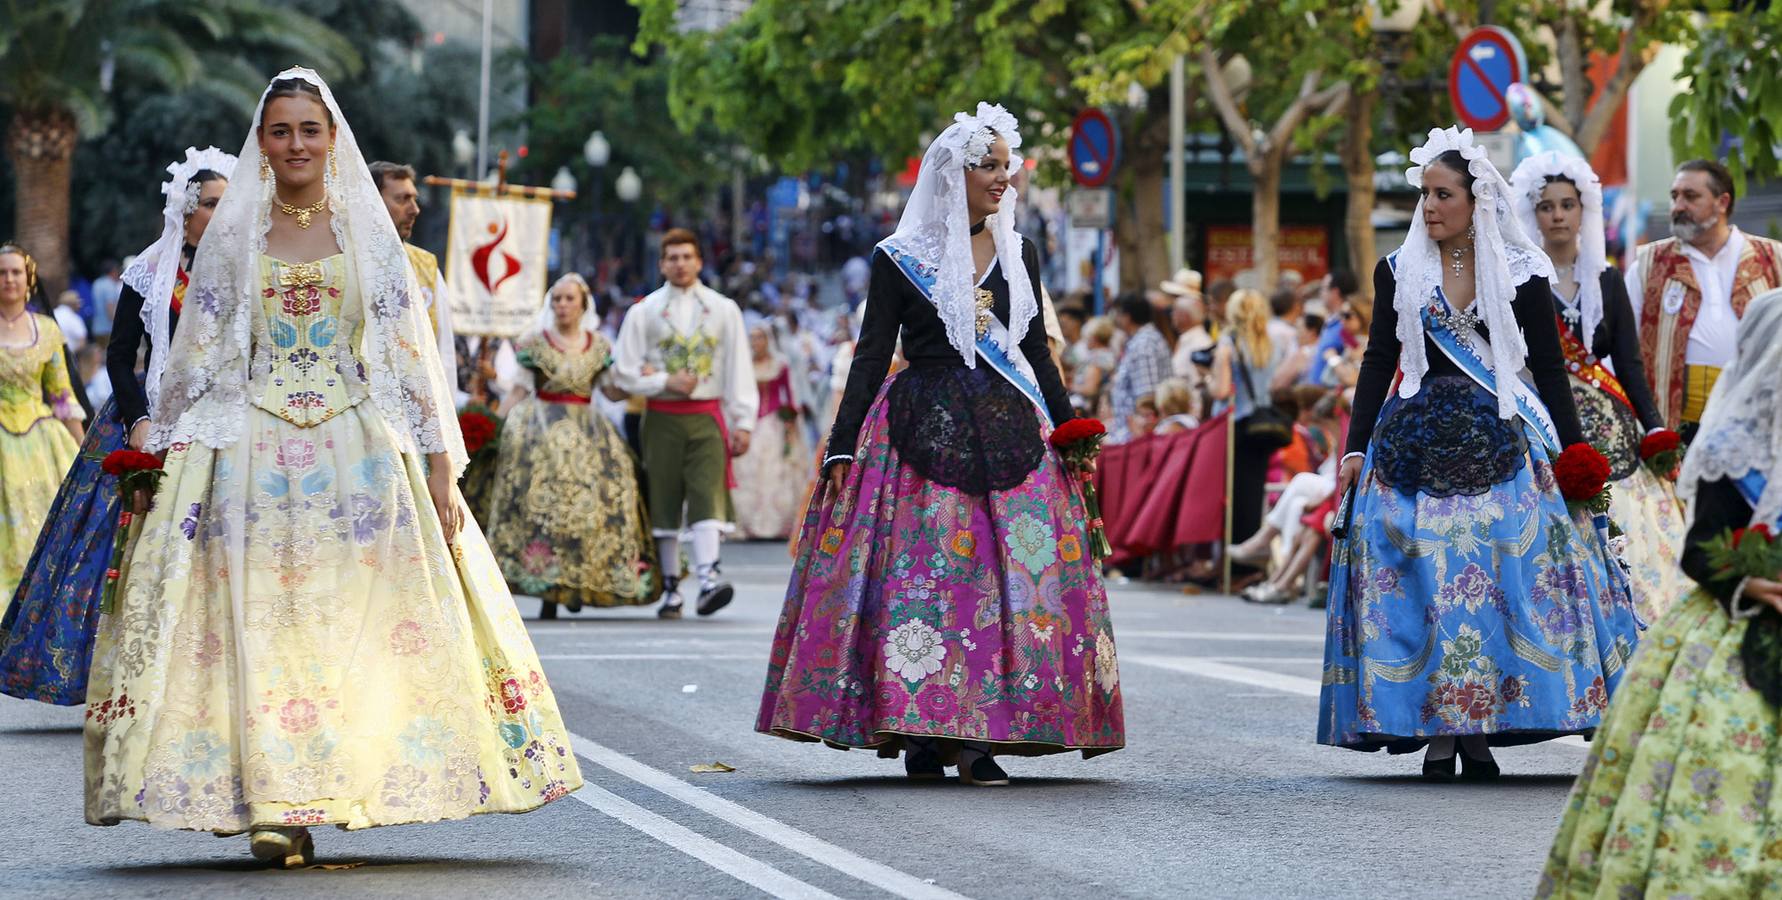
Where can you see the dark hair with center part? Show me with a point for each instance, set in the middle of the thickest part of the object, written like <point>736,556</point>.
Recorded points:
<point>1454,162</point>
<point>294,87</point>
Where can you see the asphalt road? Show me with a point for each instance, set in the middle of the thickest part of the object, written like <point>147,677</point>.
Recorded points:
<point>1221,791</point>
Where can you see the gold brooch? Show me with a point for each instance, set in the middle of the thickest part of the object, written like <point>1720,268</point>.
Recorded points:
<point>294,275</point>
<point>986,300</point>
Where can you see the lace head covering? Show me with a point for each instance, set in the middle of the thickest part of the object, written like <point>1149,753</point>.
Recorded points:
<point>546,320</point>
<point>1741,428</point>
<point>1530,179</point>
<point>204,398</point>
<point>1503,258</point>
<point>152,272</point>
<point>936,228</point>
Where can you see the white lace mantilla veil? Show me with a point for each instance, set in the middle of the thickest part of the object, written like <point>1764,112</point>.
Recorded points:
<point>204,397</point>
<point>1503,258</point>
<point>1528,182</point>
<point>935,228</point>
<point>153,272</point>
<point>508,371</point>
<point>1741,428</point>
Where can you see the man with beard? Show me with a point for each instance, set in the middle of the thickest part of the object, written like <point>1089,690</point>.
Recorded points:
<point>396,183</point>
<point>1691,289</point>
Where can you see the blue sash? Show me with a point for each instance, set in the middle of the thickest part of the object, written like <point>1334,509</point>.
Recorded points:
<point>1751,485</point>
<point>1013,367</point>
<point>1469,353</point>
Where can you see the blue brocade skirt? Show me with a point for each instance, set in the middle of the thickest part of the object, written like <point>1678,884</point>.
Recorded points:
<point>1466,599</point>
<point>46,638</point>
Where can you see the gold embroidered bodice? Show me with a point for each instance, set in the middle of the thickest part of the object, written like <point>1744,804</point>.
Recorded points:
<point>307,370</point>
<point>566,371</point>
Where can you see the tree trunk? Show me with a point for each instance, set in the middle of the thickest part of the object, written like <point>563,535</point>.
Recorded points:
<point>1358,170</point>
<point>1265,218</point>
<point>41,145</point>
<point>1139,228</point>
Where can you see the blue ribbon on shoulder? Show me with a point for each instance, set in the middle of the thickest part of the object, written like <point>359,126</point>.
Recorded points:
<point>922,275</point>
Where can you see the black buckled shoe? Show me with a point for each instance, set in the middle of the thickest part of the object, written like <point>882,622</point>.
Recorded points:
<point>1472,769</point>
<point>1441,770</point>
<point>671,599</point>
<point>715,597</point>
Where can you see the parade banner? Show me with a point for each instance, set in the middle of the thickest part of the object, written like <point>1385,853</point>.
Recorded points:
<point>496,262</point>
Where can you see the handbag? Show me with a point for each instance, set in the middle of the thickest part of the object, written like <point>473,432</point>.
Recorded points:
<point>1265,429</point>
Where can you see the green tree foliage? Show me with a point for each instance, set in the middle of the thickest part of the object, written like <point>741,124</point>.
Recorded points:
<point>1735,92</point>
<point>61,59</point>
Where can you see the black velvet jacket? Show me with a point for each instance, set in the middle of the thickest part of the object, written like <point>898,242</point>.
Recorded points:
<point>1540,330</point>
<point>1617,341</point>
<point>127,333</point>
<point>894,306</point>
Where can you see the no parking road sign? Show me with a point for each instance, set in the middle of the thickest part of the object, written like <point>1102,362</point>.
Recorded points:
<point>1094,148</point>
<point>1489,60</point>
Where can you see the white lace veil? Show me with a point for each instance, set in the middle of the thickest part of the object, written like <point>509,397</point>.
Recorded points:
<point>1741,428</point>
<point>1503,258</point>
<point>936,229</point>
<point>547,319</point>
<point>204,397</point>
<point>152,272</point>
<point>1528,182</point>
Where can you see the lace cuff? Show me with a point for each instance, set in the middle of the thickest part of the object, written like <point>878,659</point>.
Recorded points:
<point>1358,453</point>
<point>1735,606</point>
<point>834,458</point>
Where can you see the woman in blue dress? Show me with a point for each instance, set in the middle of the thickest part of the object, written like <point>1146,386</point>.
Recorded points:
<point>1469,606</point>
<point>46,637</point>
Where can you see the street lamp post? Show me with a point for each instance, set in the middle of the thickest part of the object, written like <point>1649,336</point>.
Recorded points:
<point>628,187</point>
<point>1394,29</point>
<point>564,183</point>
<point>597,152</point>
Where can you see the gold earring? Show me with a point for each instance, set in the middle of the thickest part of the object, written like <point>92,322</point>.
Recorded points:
<point>333,164</point>
<point>265,168</point>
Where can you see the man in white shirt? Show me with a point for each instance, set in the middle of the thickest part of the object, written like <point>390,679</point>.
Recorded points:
<point>1689,291</point>
<point>684,348</point>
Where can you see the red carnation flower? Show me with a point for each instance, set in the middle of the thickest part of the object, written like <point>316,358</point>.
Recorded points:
<point>120,462</point>
<point>1076,430</point>
<point>1762,531</point>
<point>1660,442</point>
<point>478,430</point>
<point>1581,472</point>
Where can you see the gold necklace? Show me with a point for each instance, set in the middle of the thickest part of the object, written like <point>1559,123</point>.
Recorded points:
<point>303,213</point>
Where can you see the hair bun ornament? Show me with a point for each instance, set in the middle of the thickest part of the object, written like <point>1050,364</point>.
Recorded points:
<point>990,121</point>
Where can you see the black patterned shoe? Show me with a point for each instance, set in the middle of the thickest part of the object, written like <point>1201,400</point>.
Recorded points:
<point>983,772</point>
<point>923,764</point>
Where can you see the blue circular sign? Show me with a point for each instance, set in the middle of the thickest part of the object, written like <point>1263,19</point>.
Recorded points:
<point>1094,148</point>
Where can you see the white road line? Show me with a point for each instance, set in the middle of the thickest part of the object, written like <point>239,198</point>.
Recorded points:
<point>746,869</point>
<point>649,656</point>
<point>840,859</point>
<point>1258,636</point>
<point>1291,684</point>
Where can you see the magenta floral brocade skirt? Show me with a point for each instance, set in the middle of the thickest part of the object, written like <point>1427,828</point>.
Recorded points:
<point>919,609</point>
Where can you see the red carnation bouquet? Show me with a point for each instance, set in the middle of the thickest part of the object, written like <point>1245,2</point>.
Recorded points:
<point>1079,442</point>
<point>481,427</point>
<point>134,470</point>
<point>1583,476</point>
<point>1753,552</point>
<point>1662,451</point>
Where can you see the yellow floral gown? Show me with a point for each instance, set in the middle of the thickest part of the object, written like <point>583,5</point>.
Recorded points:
<point>35,448</point>
<point>566,518</point>
<point>295,644</point>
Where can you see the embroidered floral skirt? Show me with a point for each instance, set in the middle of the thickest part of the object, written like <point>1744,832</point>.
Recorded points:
<point>917,609</point>
<point>1678,795</point>
<point>1481,608</point>
<point>1644,505</point>
<point>31,468</point>
<point>566,518</point>
<point>770,479</point>
<point>46,638</point>
<point>295,645</point>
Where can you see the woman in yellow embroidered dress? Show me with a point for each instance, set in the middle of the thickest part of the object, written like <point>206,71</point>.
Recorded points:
<point>40,422</point>
<point>566,518</point>
<point>311,632</point>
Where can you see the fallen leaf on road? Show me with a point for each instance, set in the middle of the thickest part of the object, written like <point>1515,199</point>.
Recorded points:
<point>712,768</point>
